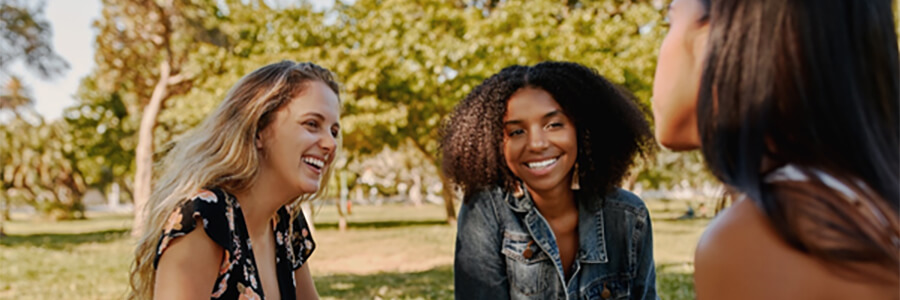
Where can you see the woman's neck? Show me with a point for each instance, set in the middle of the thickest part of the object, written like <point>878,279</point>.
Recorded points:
<point>554,203</point>
<point>260,202</point>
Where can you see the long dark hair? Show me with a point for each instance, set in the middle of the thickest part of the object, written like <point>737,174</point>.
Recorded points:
<point>609,123</point>
<point>815,84</point>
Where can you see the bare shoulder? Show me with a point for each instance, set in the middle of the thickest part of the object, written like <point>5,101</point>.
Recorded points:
<point>741,256</point>
<point>189,266</point>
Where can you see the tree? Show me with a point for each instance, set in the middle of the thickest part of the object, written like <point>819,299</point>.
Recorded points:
<point>147,52</point>
<point>396,61</point>
<point>41,171</point>
<point>25,34</point>
<point>15,95</point>
<point>405,64</point>
<point>106,137</point>
<point>163,65</point>
<point>155,55</point>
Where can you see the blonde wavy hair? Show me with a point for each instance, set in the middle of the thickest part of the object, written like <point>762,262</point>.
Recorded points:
<point>221,152</point>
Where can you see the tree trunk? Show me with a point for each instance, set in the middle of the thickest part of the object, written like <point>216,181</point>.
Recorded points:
<point>447,186</point>
<point>4,212</point>
<point>342,220</point>
<point>449,198</point>
<point>143,177</point>
<point>631,179</point>
<point>415,190</point>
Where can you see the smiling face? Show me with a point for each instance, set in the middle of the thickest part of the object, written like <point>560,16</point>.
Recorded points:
<point>539,141</point>
<point>301,140</point>
<point>677,80</point>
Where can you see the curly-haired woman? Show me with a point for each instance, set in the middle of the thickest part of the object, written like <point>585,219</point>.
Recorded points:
<point>539,152</point>
<point>236,181</point>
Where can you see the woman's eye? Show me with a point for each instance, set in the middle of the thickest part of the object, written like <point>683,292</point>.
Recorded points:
<point>335,132</point>
<point>554,125</point>
<point>515,132</point>
<point>312,124</point>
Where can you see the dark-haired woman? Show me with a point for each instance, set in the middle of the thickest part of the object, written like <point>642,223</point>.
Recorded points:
<point>794,104</point>
<point>539,152</point>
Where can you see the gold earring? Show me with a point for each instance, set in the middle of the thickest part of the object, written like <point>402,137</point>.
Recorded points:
<point>518,192</point>
<point>575,179</point>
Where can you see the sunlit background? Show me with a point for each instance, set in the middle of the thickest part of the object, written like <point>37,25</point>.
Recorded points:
<point>78,78</point>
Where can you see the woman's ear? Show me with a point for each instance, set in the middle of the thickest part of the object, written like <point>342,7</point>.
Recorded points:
<point>258,141</point>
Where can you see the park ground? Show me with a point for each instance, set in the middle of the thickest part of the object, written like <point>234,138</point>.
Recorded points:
<point>388,252</point>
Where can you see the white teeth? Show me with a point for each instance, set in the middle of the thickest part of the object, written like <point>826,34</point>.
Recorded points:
<point>541,164</point>
<point>314,161</point>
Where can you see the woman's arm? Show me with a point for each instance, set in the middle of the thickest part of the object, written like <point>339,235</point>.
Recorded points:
<point>306,289</point>
<point>479,269</point>
<point>188,268</point>
<point>645,281</point>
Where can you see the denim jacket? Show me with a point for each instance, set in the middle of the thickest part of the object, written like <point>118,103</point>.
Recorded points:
<point>505,249</point>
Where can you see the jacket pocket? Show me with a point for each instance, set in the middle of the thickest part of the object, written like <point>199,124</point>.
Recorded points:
<point>608,288</point>
<point>529,269</point>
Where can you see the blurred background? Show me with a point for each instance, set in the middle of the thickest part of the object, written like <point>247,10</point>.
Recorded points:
<point>93,91</point>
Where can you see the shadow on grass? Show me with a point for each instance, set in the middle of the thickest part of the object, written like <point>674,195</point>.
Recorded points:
<point>62,240</point>
<point>672,284</point>
<point>383,224</point>
<point>675,286</point>
<point>436,283</point>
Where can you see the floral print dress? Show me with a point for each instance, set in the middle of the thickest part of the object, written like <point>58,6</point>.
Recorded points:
<point>224,223</point>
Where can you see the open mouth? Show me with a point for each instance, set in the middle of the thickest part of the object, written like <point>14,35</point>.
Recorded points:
<point>316,163</point>
<point>537,165</point>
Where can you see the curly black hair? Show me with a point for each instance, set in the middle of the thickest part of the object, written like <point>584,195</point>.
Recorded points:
<point>610,125</point>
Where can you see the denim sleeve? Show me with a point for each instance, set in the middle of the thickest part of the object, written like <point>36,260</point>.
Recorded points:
<point>479,270</point>
<point>644,286</point>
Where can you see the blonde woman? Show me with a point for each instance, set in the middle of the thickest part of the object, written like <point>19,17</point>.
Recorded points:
<point>222,221</point>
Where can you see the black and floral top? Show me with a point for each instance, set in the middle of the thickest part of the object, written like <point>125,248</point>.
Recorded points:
<point>224,223</point>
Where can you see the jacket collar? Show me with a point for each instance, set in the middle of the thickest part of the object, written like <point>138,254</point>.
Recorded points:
<point>591,231</point>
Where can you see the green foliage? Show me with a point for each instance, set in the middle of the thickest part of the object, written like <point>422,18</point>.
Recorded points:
<point>256,35</point>
<point>105,133</point>
<point>134,38</point>
<point>41,171</point>
<point>15,95</point>
<point>668,169</point>
<point>27,37</point>
<point>403,65</point>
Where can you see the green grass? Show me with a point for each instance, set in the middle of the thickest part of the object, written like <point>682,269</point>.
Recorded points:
<point>82,259</point>
<point>436,283</point>
<point>389,252</point>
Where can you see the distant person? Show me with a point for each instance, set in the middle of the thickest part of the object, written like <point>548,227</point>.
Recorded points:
<point>239,178</point>
<point>539,152</point>
<point>688,214</point>
<point>795,106</point>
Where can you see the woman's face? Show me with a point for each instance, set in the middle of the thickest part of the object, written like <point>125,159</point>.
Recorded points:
<point>677,80</point>
<point>300,142</point>
<point>539,140</point>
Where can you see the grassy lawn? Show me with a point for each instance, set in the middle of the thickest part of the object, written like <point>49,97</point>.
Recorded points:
<point>389,252</point>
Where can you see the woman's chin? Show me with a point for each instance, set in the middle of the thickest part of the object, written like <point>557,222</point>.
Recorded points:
<point>679,145</point>
<point>307,187</point>
<point>678,142</point>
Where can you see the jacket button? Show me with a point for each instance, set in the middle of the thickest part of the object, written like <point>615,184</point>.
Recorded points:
<point>606,293</point>
<point>527,253</point>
